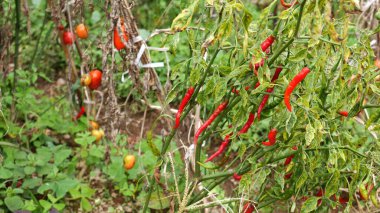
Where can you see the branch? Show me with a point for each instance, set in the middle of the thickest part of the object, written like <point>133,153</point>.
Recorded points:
<point>17,44</point>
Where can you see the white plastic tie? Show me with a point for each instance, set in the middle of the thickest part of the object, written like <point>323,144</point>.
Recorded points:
<point>140,53</point>
<point>123,79</point>
<point>153,65</point>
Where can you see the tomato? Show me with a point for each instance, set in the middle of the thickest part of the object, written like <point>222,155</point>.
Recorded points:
<point>85,80</point>
<point>68,38</point>
<point>82,31</point>
<point>248,208</point>
<point>96,79</point>
<point>118,43</point>
<point>98,134</point>
<point>129,162</point>
<point>94,125</point>
<point>377,63</point>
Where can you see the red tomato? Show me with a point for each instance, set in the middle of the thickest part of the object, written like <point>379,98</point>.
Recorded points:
<point>81,31</point>
<point>68,38</point>
<point>96,79</point>
<point>116,38</point>
<point>248,208</point>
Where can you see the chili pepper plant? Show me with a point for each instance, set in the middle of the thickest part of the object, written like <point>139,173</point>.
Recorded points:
<point>277,125</point>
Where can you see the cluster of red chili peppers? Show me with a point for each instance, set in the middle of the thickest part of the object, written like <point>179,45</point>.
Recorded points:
<point>273,132</point>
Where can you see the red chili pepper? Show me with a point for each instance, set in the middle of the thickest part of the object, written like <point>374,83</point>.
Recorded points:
<point>237,91</point>
<point>237,177</point>
<point>287,5</point>
<point>343,200</point>
<point>182,106</point>
<point>247,124</point>
<point>267,43</point>
<point>264,47</point>
<point>271,137</point>
<point>215,114</point>
<point>343,113</point>
<point>269,90</point>
<point>288,176</point>
<point>257,85</point>
<point>248,208</point>
<point>298,78</point>
<point>320,193</point>
<point>221,149</point>
<point>80,113</point>
<point>290,158</point>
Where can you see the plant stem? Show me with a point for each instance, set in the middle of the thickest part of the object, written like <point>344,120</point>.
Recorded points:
<point>168,139</point>
<point>299,18</point>
<point>17,43</point>
<point>2,143</point>
<point>39,37</point>
<point>279,51</point>
<point>339,147</point>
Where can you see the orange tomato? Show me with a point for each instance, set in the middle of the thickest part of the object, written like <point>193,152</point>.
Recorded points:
<point>68,38</point>
<point>85,80</point>
<point>96,79</point>
<point>377,63</point>
<point>129,162</point>
<point>82,31</point>
<point>94,125</point>
<point>118,43</point>
<point>98,134</point>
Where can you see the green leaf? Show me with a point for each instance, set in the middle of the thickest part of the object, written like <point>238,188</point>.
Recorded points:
<point>85,204</point>
<point>173,93</point>
<point>30,205</point>
<point>333,185</point>
<point>183,19</point>
<point>59,206</point>
<point>61,155</point>
<point>260,178</point>
<point>14,203</point>
<point>292,119</point>
<point>285,14</point>
<point>302,179</point>
<point>309,136</point>
<point>5,173</point>
<point>299,56</point>
<point>64,186</point>
<point>195,76</point>
<point>310,204</point>
<point>158,202</point>
<point>375,89</point>
<point>45,204</point>
<point>29,170</point>
<point>32,183</point>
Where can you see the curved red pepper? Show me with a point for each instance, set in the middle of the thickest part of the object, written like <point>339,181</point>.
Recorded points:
<point>248,124</point>
<point>264,47</point>
<point>298,78</point>
<point>343,113</point>
<point>269,90</point>
<point>290,158</point>
<point>271,137</point>
<point>221,149</point>
<point>80,113</point>
<point>237,177</point>
<point>287,5</point>
<point>215,114</point>
<point>182,106</point>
